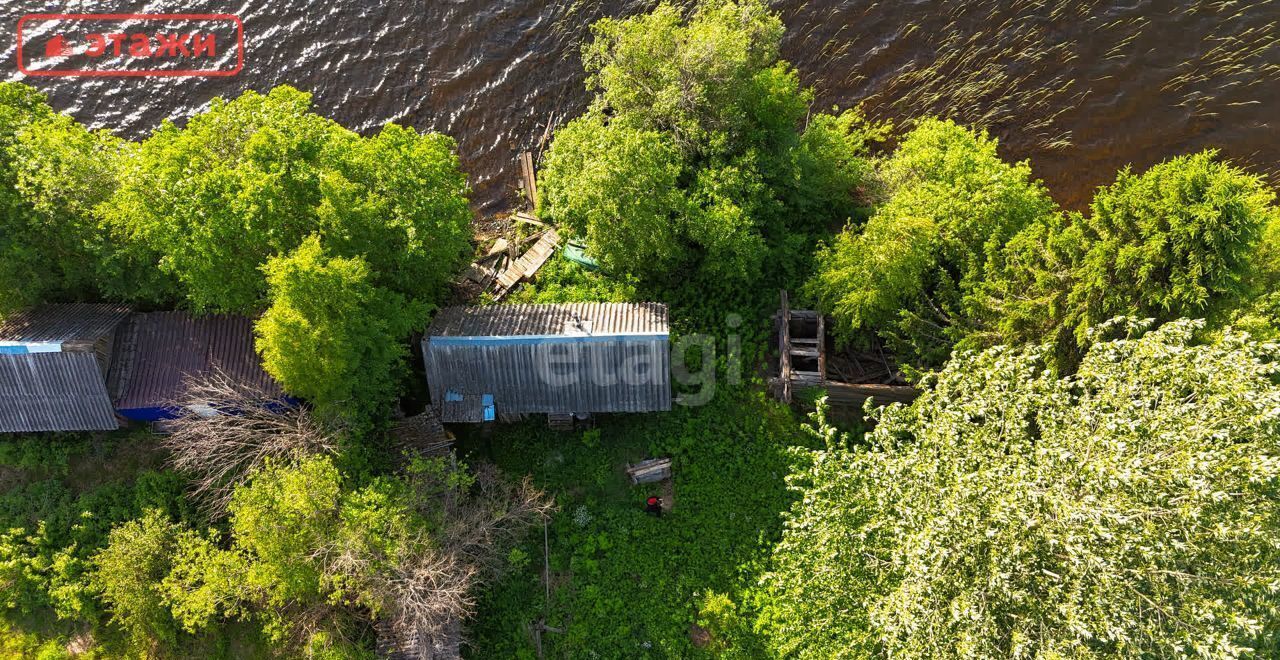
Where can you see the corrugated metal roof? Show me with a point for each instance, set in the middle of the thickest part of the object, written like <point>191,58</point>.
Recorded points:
<point>65,323</point>
<point>159,351</point>
<point>614,374</point>
<point>525,320</point>
<point>53,392</point>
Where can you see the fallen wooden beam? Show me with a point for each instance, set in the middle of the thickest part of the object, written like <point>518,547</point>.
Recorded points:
<point>854,394</point>
<point>528,219</point>
<point>528,177</point>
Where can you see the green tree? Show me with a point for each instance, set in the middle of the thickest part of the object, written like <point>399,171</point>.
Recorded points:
<point>1183,239</point>
<point>249,179</point>
<point>692,161</point>
<point>215,199</point>
<point>53,174</point>
<point>1130,510</point>
<point>951,203</point>
<point>1173,242</point>
<point>331,335</point>
<point>128,573</point>
<point>598,172</point>
<point>301,546</point>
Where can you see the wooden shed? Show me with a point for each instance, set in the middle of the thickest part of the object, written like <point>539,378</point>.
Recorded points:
<point>503,361</point>
<point>54,361</point>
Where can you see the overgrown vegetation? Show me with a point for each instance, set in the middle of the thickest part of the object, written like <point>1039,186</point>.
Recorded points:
<point>699,139</point>
<point>1127,511</point>
<point>1069,483</point>
<point>256,204</point>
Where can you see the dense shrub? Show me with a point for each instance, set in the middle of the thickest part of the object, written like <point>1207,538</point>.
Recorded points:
<point>1179,240</point>
<point>204,214</point>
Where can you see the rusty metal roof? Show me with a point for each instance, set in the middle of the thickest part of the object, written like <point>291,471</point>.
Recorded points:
<point>543,320</point>
<point>62,323</point>
<point>53,392</point>
<point>159,351</point>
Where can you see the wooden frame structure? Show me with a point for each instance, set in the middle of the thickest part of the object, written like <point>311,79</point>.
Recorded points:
<point>802,362</point>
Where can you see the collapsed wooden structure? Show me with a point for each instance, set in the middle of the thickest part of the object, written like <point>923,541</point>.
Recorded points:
<point>508,263</point>
<point>804,360</point>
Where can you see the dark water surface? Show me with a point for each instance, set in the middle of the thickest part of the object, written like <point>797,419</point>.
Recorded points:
<point>1079,87</point>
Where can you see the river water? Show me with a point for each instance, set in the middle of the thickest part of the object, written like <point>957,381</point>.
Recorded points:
<point>1080,87</point>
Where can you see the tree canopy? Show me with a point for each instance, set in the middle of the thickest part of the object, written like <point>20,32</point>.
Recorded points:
<point>695,158</point>
<point>53,173</point>
<point>1130,509</point>
<point>951,203</point>
<point>1181,240</point>
<point>255,204</point>
<point>331,335</point>
<point>249,179</point>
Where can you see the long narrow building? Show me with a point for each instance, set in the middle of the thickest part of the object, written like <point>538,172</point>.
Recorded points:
<point>503,361</point>
<point>54,361</point>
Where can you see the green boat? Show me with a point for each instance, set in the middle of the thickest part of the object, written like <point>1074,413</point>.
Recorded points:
<point>577,253</point>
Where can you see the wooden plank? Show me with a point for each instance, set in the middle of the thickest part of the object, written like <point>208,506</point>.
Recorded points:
<point>529,178</point>
<point>822,347</point>
<point>528,219</point>
<point>528,263</point>
<point>785,341</point>
<point>854,394</point>
<point>649,471</point>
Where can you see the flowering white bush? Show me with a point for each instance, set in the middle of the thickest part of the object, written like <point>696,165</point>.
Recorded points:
<point>1130,510</point>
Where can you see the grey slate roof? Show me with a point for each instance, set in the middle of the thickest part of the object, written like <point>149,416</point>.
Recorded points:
<point>159,351</point>
<point>53,392</point>
<point>77,322</point>
<point>61,390</point>
<point>525,320</point>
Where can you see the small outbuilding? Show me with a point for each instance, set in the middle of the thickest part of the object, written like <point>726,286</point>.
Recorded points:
<point>504,361</point>
<point>161,351</point>
<point>54,361</point>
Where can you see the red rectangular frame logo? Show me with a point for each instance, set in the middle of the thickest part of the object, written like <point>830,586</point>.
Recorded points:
<point>133,17</point>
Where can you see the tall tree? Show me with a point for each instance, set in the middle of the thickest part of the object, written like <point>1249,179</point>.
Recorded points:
<point>1182,239</point>
<point>53,174</point>
<point>692,160</point>
<point>332,336</point>
<point>951,203</point>
<point>1130,510</point>
<point>249,179</point>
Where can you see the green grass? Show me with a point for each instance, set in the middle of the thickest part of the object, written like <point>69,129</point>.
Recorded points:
<point>627,584</point>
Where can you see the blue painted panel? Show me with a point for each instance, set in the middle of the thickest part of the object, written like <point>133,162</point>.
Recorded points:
<point>13,350</point>
<point>159,413</point>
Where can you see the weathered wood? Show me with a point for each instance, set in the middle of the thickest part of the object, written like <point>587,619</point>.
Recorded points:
<point>784,340</point>
<point>854,394</point>
<point>528,263</point>
<point>528,177</point>
<point>560,421</point>
<point>822,345</point>
<point>649,471</point>
<point>528,219</point>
